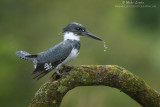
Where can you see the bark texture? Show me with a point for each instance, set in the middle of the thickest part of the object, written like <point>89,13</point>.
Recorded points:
<point>52,92</point>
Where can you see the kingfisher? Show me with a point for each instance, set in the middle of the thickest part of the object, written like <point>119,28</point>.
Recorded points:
<point>58,55</point>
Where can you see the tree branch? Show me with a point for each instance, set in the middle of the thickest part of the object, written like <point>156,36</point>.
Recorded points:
<point>51,93</point>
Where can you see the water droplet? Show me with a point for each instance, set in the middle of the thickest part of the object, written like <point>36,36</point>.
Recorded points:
<point>59,33</point>
<point>105,46</point>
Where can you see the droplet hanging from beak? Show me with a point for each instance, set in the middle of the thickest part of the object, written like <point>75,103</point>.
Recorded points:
<point>105,46</point>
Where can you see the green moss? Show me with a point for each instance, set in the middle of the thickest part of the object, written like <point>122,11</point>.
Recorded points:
<point>54,101</point>
<point>110,75</point>
<point>78,69</point>
<point>41,89</point>
<point>88,78</point>
<point>72,79</point>
<point>64,81</point>
<point>99,65</point>
<point>91,66</point>
<point>62,89</point>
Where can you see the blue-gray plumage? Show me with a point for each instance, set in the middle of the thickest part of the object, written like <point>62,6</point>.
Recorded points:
<point>60,54</point>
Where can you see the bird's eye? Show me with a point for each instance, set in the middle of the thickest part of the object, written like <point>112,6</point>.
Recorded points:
<point>78,29</point>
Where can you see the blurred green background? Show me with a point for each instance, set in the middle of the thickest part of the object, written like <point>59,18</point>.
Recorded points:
<point>132,36</point>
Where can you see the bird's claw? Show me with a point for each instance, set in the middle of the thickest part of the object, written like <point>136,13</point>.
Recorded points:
<point>58,73</point>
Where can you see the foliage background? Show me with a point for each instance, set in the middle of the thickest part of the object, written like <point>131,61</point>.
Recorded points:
<point>132,36</point>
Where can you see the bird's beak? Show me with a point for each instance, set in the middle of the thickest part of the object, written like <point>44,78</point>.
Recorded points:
<point>92,35</point>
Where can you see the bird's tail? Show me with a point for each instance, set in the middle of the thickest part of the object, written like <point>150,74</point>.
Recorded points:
<point>25,55</point>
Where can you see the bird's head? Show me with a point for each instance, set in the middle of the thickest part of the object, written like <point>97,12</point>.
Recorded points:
<point>76,29</point>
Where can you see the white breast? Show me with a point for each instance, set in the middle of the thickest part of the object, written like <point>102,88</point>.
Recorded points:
<point>74,53</point>
<point>71,36</point>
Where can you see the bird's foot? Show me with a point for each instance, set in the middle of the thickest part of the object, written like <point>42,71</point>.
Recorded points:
<point>66,68</point>
<point>65,73</point>
<point>58,73</point>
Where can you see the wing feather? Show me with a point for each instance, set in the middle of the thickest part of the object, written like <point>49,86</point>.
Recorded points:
<point>53,57</point>
<point>56,53</point>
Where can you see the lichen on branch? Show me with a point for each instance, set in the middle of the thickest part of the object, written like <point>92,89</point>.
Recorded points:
<point>52,92</point>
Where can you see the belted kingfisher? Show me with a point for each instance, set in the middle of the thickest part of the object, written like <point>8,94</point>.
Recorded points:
<point>59,54</point>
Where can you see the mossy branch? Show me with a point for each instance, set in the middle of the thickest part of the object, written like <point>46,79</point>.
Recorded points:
<point>51,93</point>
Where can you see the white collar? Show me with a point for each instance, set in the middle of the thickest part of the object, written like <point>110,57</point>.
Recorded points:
<point>71,36</point>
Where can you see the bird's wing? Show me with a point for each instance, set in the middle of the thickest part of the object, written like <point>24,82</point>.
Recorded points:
<point>56,53</point>
<point>49,59</point>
